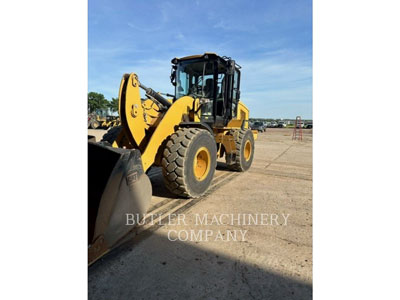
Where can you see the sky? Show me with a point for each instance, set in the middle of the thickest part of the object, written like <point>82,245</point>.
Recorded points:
<point>271,40</point>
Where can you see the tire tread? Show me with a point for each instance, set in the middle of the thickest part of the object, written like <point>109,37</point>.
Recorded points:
<point>173,161</point>
<point>238,135</point>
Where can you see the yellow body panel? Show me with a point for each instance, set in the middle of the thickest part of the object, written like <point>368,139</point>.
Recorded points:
<point>175,115</point>
<point>242,114</point>
<point>196,116</point>
<point>227,140</point>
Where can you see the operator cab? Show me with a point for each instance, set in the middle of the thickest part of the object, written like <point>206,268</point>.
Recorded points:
<point>214,80</point>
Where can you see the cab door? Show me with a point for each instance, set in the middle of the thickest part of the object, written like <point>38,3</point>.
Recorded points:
<point>232,92</point>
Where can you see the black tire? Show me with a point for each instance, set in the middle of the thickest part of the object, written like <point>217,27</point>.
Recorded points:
<point>111,135</point>
<point>179,155</point>
<point>242,138</point>
<point>94,125</point>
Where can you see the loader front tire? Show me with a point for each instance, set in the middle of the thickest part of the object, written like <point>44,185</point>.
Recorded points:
<point>244,153</point>
<point>189,162</point>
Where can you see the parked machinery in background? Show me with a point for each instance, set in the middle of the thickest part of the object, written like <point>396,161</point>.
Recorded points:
<point>100,119</point>
<point>93,121</point>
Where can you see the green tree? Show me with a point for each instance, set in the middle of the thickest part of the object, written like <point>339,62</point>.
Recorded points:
<point>113,104</point>
<point>97,101</point>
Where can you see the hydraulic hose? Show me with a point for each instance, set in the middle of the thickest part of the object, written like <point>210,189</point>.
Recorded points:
<point>155,95</point>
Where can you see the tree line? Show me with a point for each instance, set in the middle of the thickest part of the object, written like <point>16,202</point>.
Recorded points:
<point>98,101</point>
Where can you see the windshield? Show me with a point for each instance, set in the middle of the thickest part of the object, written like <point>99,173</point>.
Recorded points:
<point>195,78</point>
<point>203,79</point>
<point>101,112</point>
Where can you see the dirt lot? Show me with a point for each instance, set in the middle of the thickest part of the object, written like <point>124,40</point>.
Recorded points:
<point>271,257</point>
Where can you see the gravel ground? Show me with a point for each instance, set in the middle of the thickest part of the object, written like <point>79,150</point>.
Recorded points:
<point>271,257</point>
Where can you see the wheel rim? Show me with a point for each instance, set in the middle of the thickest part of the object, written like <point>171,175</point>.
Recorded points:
<point>247,150</point>
<point>201,163</point>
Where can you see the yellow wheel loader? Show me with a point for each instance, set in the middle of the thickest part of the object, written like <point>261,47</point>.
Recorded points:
<point>93,121</point>
<point>185,135</point>
<point>98,119</point>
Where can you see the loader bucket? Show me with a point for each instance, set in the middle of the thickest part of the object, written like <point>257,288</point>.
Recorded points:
<point>117,185</point>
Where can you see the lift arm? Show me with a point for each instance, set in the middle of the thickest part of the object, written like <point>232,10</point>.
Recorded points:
<point>133,122</point>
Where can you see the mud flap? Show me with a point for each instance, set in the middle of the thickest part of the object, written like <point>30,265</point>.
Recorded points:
<point>117,185</point>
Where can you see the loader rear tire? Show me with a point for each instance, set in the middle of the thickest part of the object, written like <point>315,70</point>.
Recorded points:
<point>189,161</point>
<point>244,141</point>
<point>111,135</point>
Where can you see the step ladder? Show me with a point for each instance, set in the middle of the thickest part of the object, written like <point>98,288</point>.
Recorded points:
<point>297,130</point>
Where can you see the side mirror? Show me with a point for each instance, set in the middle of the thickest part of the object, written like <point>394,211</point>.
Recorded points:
<point>173,75</point>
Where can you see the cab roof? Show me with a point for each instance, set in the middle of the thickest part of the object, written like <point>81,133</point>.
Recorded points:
<point>209,54</point>
<point>206,55</point>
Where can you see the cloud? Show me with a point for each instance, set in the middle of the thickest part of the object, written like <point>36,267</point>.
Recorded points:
<point>269,83</point>
<point>145,28</point>
<point>271,40</point>
<point>234,26</point>
<point>180,37</point>
<point>153,73</point>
